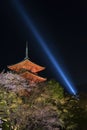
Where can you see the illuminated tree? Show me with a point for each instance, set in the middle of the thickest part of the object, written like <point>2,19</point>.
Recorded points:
<point>12,86</point>
<point>43,107</point>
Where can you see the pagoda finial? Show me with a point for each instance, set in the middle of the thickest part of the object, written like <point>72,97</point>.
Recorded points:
<point>26,50</point>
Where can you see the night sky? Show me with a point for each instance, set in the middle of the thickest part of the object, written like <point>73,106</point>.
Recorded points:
<point>62,24</point>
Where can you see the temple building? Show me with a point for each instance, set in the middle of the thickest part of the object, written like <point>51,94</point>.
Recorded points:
<point>28,69</point>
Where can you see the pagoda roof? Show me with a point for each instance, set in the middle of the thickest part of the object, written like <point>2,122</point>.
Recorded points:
<point>27,65</point>
<point>32,78</point>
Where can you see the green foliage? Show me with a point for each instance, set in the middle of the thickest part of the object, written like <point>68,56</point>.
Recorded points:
<point>46,108</point>
<point>9,104</point>
<point>69,110</point>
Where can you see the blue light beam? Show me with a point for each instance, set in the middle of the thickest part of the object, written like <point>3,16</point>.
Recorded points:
<point>66,81</point>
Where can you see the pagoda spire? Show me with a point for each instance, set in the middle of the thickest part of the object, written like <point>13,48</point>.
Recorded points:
<point>26,57</point>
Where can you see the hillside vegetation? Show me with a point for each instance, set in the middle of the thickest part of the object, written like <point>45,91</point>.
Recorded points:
<point>40,107</point>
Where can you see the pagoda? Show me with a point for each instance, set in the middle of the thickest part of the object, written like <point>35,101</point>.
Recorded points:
<point>28,69</point>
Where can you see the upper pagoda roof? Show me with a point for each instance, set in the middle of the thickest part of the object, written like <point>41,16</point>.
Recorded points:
<point>27,65</point>
<point>31,77</point>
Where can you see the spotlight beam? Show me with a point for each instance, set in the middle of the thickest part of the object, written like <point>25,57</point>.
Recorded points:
<point>25,17</point>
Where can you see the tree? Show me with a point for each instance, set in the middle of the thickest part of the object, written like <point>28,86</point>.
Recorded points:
<point>12,89</point>
<point>43,107</point>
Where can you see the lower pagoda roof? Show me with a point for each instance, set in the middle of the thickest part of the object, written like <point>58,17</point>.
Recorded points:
<point>32,77</point>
